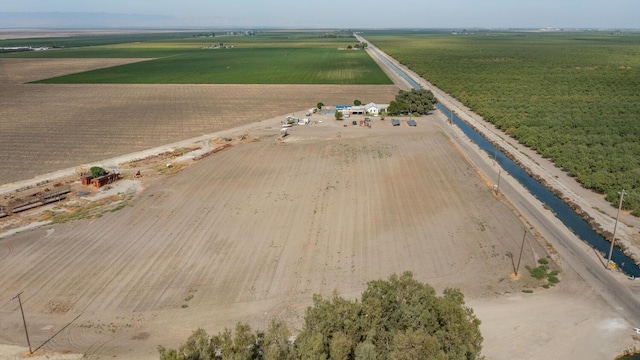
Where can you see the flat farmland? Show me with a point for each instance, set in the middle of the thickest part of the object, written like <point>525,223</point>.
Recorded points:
<point>242,66</point>
<point>51,127</point>
<point>253,232</point>
<point>267,58</point>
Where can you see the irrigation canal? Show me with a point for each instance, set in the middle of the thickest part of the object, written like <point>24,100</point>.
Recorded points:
<point>561,210</point>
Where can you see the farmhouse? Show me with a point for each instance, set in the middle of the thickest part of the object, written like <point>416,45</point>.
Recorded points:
<point>375,109</point>
<point>370,109</point>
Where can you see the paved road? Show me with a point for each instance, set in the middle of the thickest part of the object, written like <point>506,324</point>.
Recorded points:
<point>622,294</point>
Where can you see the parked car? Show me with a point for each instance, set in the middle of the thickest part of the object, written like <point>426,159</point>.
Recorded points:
<point>395,122</point>
<point>412,123</point>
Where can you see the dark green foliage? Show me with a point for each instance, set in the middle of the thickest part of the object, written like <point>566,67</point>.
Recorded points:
<point>97,171</point>
<point>572,97</point>
<point>399,318</point>
<point>395,318</point>
<point>357,102</point>
<point>338,115</point>
<point>320,105</point>
<point>543,261</point>
<point>412,102</point>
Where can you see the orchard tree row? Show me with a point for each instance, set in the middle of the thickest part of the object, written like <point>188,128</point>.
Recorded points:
<point>572,97</point>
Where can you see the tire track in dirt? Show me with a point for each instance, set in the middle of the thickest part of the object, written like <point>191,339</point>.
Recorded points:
<point>261,227</point>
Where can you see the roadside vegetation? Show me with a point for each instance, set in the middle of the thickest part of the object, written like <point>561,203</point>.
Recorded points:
<point>572,97</point>
<point>399,318</point>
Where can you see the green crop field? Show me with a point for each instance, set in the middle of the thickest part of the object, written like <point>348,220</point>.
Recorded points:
<point>573,97</point>
<point>268,58</point>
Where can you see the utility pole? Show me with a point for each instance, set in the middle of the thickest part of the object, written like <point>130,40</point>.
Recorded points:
<point>23,320</point>
<point>521,248</point>
<point>615,226</point>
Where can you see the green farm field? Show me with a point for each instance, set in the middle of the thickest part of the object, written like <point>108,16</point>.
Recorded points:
<point>271,58</point>
<point>572,97</point>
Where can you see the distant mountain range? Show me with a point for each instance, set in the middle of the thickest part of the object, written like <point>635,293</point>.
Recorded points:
<point>67,20</point>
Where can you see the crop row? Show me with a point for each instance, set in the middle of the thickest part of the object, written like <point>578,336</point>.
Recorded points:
<point>570,96</point>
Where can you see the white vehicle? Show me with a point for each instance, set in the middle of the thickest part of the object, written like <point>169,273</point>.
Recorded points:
<point>637,330</point>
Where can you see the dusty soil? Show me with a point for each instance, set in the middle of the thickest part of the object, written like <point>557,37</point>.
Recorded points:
<point>253,231</point>
<point>46,128</point>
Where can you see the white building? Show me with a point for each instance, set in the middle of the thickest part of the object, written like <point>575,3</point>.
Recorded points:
<point>375,109</point>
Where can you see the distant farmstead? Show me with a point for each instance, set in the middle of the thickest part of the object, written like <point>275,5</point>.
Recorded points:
<point>369,109</point>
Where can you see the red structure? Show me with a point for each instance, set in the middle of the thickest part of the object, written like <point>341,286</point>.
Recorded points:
<point>86,179</point>
<point>105,179</point>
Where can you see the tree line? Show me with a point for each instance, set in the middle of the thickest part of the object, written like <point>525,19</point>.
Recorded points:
<point>399,318</point>
<point>572,97</point>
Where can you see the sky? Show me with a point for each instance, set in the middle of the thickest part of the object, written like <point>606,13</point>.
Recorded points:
<point>616,14</point>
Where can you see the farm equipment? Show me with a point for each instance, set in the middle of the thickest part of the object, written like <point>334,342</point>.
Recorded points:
<point>32,198</point>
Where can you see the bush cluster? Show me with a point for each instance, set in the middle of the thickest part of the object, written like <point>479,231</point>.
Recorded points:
<point>399,318</point>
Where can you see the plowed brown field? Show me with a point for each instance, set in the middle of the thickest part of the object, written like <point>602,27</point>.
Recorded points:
<point>254,231</point>
<point>51,127</point>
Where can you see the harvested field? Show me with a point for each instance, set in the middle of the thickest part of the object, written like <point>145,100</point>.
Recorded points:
<point>252,232</point>
<point>51,127</point>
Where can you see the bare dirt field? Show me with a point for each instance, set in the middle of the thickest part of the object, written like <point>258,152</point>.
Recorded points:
<point>51,127</point>
<point>252,232</point>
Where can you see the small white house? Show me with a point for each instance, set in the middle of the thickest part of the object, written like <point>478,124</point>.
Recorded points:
<point>375,109</point>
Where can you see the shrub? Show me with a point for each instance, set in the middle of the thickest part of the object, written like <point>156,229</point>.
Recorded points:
<point>97,171</point>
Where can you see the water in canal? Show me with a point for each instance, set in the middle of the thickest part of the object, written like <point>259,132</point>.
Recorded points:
<point>562,211</point>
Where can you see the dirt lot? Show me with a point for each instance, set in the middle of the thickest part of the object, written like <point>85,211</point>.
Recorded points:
<point>46,128</point>
<point>252,232</point>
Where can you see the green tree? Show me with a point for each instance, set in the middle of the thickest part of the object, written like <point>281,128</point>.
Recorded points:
<point>394,317</point>
<point>339,115</point>
<point>366,351</point>
<point>340,347</point>
<point>276,343</point>
<point>357,102</point>
<point>97,171</point>
<point>197,347</point>
<point>319,106</point>
<point>398,318</point>
<point>418,101</point>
